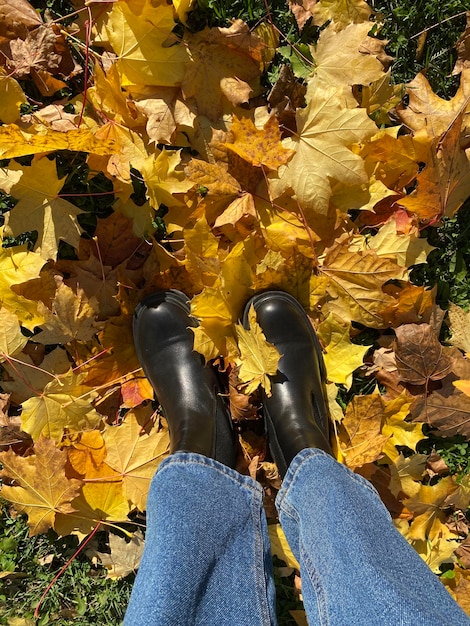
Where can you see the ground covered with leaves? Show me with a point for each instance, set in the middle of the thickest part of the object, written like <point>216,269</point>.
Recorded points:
<point>147,146</point>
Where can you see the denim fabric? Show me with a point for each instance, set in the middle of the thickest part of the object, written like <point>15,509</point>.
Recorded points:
<point>207,558</point>
<point>207,562</point>
<point>356,568</point>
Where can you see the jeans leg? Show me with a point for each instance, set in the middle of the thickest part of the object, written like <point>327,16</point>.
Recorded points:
<point>206,560</point>
<point>357,570</point>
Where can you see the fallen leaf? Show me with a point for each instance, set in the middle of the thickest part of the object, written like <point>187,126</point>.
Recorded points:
<point>419,355</point>
<point>341,356</point>
<point>326,130</point>
<point>449,415</point>
<point>258,358</point>
<point>224,67</point>
<point>41,489</point>
<point>459,327</point>
<point>59,407</point>
<point>363,422</point>
<point>140,33</point>
<point>134,450</point>
<point>73,318</point>
<point>124,556</point>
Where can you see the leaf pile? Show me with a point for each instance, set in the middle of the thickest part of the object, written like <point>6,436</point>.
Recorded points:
<point>212,184</point>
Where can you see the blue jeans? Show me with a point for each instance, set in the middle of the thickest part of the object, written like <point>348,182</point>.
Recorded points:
<point>207,559</point>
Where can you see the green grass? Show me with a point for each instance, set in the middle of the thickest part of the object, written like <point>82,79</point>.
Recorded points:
<point>404,20</point>
<point>81,596</point>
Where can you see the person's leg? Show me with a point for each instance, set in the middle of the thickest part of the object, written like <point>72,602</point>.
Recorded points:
<point>207,559</point>
<point>356,568</point>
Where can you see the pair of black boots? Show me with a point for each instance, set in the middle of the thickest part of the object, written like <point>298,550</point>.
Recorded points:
<point>191,394</point>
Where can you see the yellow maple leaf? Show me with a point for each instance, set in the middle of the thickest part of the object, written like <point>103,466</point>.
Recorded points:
<point>182,7</point>
<point>64,404</point>
<point>18,265</point>
<point>41,208</point>
<point>259,147</point>
<point>258,358</point>
<point>438,550</point>
<point>408,249</point>
<point>459,327</point>
<point>224,68</point>
<point>429,115</point>
<point>342,12</point>
<point>135,448</point>
<point>41,490</point>
<point>428,505</point>
<point>444,184</point>
<point>401,432</point>
<point>327,128</point>
<point>73,317</point>
<point>164,179</point>
<point>341,356</point>
<point>363,423</point>
<point>11,97</point>
<point>340,57</point>
<point>12,339</point>
<point>15,142</point>
<point>356,281</point>
<point>140,33</point>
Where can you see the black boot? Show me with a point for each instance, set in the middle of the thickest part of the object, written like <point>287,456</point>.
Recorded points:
<point>188,391</point>
<point>296,414</point>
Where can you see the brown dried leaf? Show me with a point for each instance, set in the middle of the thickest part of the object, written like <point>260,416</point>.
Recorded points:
<point>419,355</point>
<point>16,18</point>
<point>449,415</point>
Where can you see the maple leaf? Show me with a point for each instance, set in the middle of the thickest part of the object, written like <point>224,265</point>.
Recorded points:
<point>459,327</point>
<point>16,17</point>
<point>342,12</point>
<point>363,424</point>
<point>302,10</point>
<point>11,338</point>
<point>124,556</point>
<point>408,249</point>
<point>355,282</point>
<point>438,550</point>
<point>224,67</point>
<point>428,505</point>
<point>11,97</point>
<point>258,358</point>
<point>134,450</point>
<point>259,147</point>
<point>448,414</point>
<point>326,129</point>
<point>463,50</point>
<point>59,407</point>
<point>419,355</point>
<point>429,115</point>
<point>22,376</point>
<point>41,489</point>
<point>401,432</point>
<point>140,33</point>
<point>341,356</point>
<point>342,58</point>
<point>40,208</point>
<point>164,177</point>
<point>444,184</point>
<point>73,317</point>
<point>15,142</point>
<point>18,265</point>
